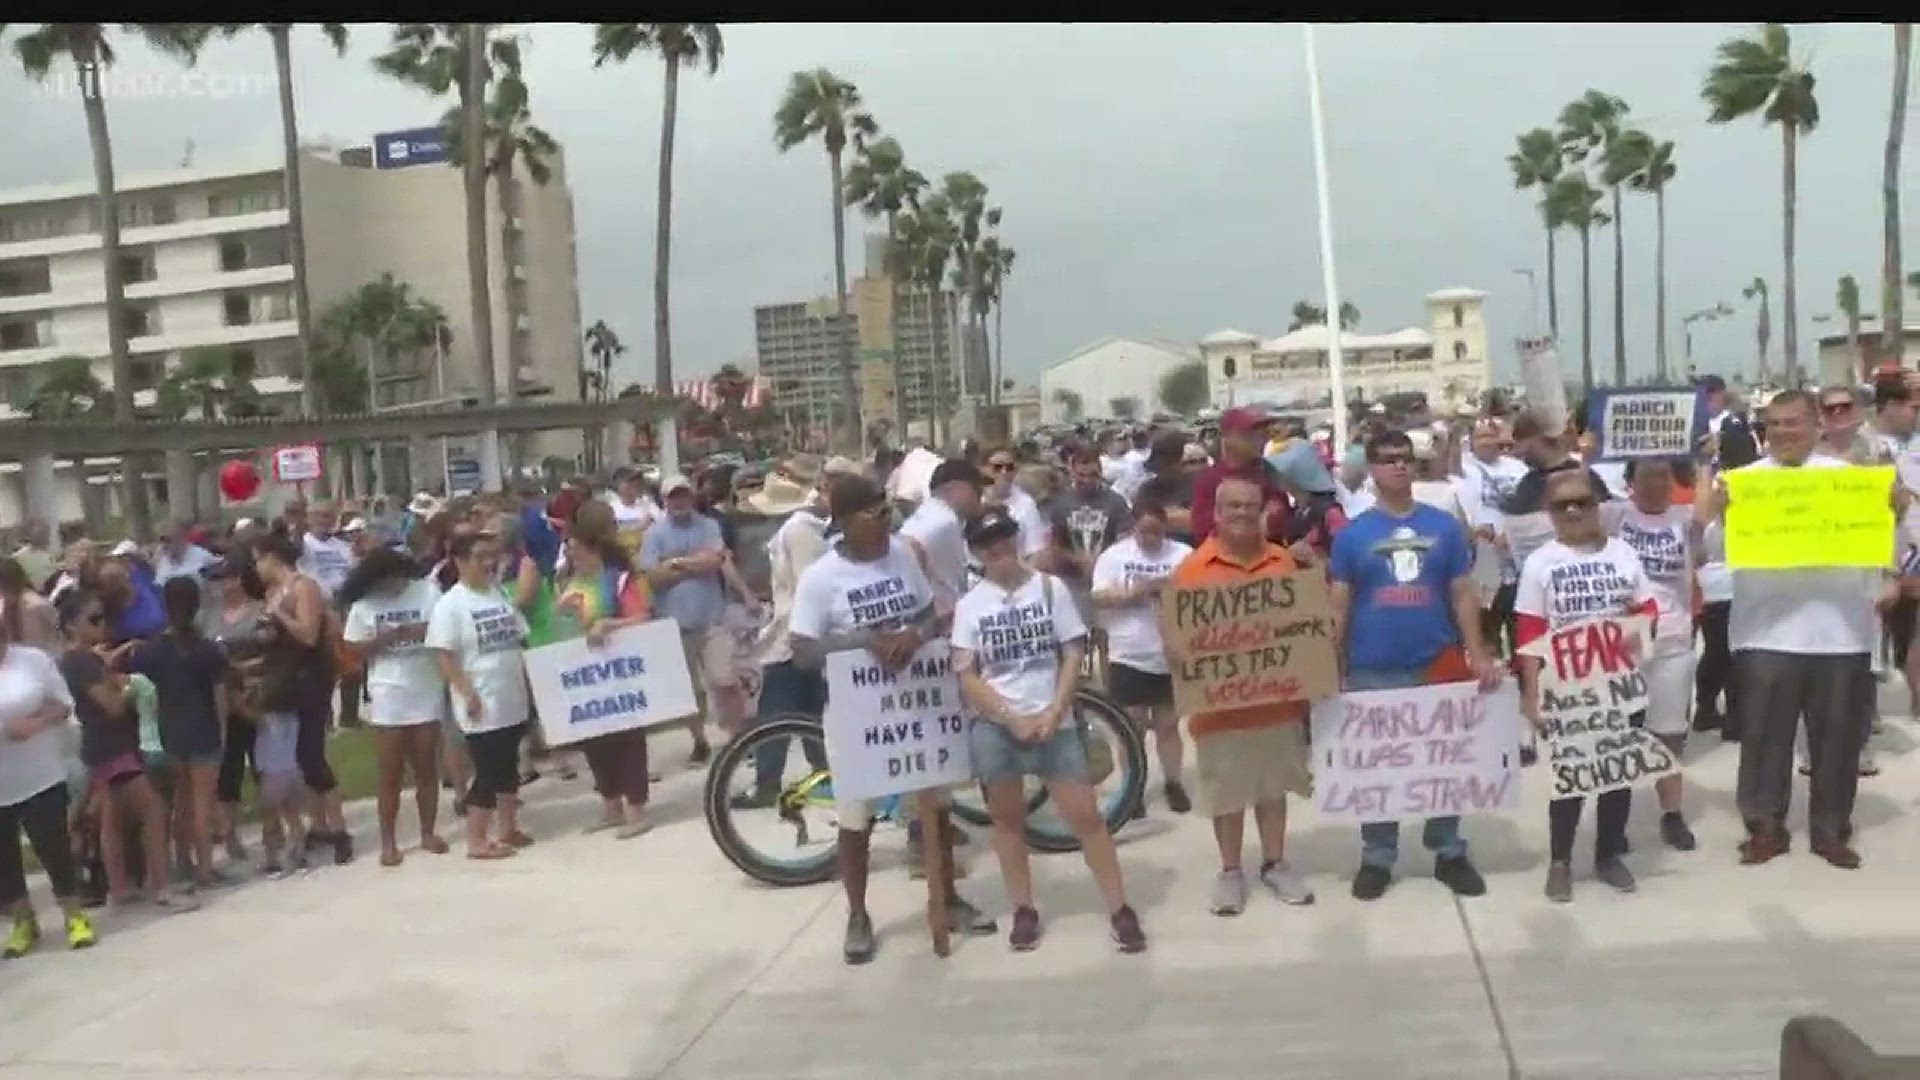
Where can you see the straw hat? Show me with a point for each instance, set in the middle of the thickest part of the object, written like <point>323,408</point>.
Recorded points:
<point>779,495</point>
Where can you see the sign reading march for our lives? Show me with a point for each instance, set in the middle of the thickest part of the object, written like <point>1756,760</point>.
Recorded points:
<point>1590,688</point>
<point>1780,519</point>
<point>1647,422</point>
<point>889,733</point>
<point>638,679</point>
<point>1404,755</point>
<point>1254,641</point>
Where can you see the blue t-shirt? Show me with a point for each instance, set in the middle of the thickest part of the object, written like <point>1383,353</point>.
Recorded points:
<point>144,615</point>
<point>1400,571</point>
<point>694,602</point>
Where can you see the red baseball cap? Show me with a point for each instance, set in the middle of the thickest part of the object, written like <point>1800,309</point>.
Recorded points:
<point>1243,418</point>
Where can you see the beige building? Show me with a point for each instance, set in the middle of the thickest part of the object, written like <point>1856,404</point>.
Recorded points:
<point>1447,359</point>
<point>206,262</point>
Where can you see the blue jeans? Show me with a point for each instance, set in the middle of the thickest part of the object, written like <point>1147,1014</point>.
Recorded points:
<point>1380,840</point>
<point>787,688</point>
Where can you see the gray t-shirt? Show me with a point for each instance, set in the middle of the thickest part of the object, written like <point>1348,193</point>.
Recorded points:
<point>696,602</point>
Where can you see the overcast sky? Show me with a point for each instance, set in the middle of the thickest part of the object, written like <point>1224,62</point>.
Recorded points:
<point>1157,180</point>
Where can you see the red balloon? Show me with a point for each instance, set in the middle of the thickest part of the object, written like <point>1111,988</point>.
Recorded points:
<point>239,479</point>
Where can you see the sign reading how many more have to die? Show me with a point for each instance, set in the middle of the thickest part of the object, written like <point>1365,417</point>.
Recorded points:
<point>1254,641</point>
<point>638,679</point>
<point>1647,422</point>
<point>1590,688</point>
<point>1780,519</point>
<point>889,733</point>
<point>1403,755</point>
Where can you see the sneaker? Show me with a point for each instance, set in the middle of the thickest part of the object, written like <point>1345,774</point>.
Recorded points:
<point>1560,882</point>
<point>1372,881</point>
<point>1285,883</point>
<point>1178,800</point>
<point>1868,765</point>
<point>1673,829</point>
<point>342,848</point>
<point>175,904</point>
<point>859,946</point>
<point>1127,933</point>
<point>1458,874</point>
<point>272,870</point>
<point>964,918</point>
<point>762,797</point>
<point>1615,873</point>
<point>1230,893</point>
<point>80,933</point>
<point>21,940</point>
<point>1760,847</point>
<point>702,752</point>
<point>1026,930</point>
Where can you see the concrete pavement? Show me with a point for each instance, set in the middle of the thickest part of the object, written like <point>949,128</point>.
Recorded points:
<point>591,958</point>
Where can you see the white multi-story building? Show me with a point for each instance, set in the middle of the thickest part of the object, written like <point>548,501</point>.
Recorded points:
<point>1096,377</point>
<point>1446,360</point>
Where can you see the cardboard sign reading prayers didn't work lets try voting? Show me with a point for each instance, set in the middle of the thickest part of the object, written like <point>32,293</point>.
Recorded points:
<point>1254,641</point>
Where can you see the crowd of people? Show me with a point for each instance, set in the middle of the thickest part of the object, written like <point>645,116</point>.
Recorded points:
<point>211,660</point>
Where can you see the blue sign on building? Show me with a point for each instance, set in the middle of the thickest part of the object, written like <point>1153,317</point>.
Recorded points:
<point>418,146</point>
<point>463,476</point>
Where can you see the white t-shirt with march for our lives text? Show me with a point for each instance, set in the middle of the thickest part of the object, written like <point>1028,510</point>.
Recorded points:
<point>1133,632</point>
<point>1565,585</point>
<point>838,595</point>
<point>403,682</point>
<point>484,632</point>
<point>1014,638</point>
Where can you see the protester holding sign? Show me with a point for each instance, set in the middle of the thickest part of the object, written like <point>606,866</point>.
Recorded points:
<point>600,594</point>
<point>1254,756</point>
<point>1800,639</point>
<point>1579,575</point>
<point>1018,642</point>
<point>1487,478</point>
<point>1404,595</point>
<point>867,592</point>
<point>1127,583</point>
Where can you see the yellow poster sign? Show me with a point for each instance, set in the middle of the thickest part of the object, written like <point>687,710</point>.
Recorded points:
<point>1779,519</point>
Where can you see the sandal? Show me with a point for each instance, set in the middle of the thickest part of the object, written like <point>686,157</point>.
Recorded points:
<point>518,839</point>
<point>602,826</point>
<point>633,829</point>
<point>433,845</point>
<point>492,851</point>
<point>391,857</point>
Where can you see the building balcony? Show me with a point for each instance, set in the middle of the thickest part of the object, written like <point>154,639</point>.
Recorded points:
<point>170,339</point>
<point>147,234</point>
<point>157,289</point>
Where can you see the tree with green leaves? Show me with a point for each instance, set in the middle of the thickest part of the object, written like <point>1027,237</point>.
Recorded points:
<point>993,264</point>
<point>881,184</point>
<point>1574,200</point>
<point>1125,407</point>
<point>1846,298</point>
<point>1591,127</point>
<point>89,48</point>
<point>1536,163</point>
<point>1757,75</point>
<point>1893,298</point>
<point>65,389</point>
<point>211,380</point>
<point>1652,166</point>
<point>1308,313</point>
<point>604,346</point>
<point>820,104</point>
<point>1763,323</point>
<point>972,218</point>
<point>678,45</point>
<point>1184,390</point>
<point>1072,408</point>
<point>927,238</point>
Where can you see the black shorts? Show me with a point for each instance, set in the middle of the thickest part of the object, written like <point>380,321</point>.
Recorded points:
<point>1137,689</point>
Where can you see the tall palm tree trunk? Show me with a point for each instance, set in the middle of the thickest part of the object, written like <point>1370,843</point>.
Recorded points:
<point>296,215</point>
<point>1619,292</point>
<point>1586,310</point>
<point>1553,286</point>
<point>999,356</point>
<point>1789,300</point>
<point>663,235</point>
<point>893,330</point>
<point>1893,304</point>
<point>1660,281</point>
<point>942,366</point>
<point>512,255</point>
<point>849,385</point>
<point>473,105</point>
<point>132,466</point>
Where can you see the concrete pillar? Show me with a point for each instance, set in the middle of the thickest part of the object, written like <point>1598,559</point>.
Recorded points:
<point>94,501</point>
<point>182,484</point>
<point>359,483</point>
<point>206,488</point>
<point>425,471</point>
<point>40,490</point>
<point>617,449</point>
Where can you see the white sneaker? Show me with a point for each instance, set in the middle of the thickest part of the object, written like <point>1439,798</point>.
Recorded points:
<point>1229,893</point>
<point>1285,883</point>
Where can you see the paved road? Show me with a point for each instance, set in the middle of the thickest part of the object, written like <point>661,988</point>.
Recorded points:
<point>589,958</point>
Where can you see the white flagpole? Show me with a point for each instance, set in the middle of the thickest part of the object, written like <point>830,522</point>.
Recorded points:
<point>1335,358</point>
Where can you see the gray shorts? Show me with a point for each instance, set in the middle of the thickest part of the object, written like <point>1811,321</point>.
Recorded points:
<point>276,754</point>
<point>997,755</point>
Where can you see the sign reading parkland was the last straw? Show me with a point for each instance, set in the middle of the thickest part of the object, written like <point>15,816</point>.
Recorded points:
<point>889,733</point>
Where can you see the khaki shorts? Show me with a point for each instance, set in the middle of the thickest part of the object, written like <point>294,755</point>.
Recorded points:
<point>710,658</point>
<point>1239,769</point>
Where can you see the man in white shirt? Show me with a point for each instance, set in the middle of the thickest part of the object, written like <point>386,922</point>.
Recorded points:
<point>325,556</point>
<point>1800,640</point>
<point>938,527</point>
<point>1488,476</point>
<point>176,556</point>
<point>1002,467</point>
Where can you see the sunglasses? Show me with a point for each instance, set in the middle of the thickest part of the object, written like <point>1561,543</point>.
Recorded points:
<point>1568,506</point>
<point>1835,408</point>
<point>1001,466</point>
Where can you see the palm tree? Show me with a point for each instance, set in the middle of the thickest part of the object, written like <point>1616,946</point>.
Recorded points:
<point>1589,124</point>
<point>1763,324</point>
<point>882,185</point>
<point>820,103</point>
<point>1846,297</point>
<point>996,264</point>
<point>596,382</point>
<point>88,47</point>
<point>679,45</point>
<point>1536,163</point>
<point>967,195</point>
<point>1893,304</point>
<point>927,239</point>
<point>66,390</point>
<point>209,379</point>
<point>281,35</point>
<point>463,57</point>
<point>1650,167</point>
<point>1758,76</point>
<point>1183,390</point>
<point>1575,201</point>
<point>1308,313</point>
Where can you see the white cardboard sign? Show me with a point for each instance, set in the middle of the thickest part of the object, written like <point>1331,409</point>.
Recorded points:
<point>638,679</point>
<point>1406,755</point>
<point>1590,688</point>
<point>888,734</point>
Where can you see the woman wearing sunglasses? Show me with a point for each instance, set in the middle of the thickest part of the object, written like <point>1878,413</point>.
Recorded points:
<point>1580,574</point>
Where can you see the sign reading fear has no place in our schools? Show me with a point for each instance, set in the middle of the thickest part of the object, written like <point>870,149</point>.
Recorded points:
<point>1591,688</point>
<point>1254,641</point>
<point>1647,422</point>
<point>638,679</point>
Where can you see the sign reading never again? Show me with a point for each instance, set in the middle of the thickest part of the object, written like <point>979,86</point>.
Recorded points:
<point>1254,641</point>
<point>1780,519</point>
<point>638,679</point>
<point>1590,689</point>
<point>889,733</point>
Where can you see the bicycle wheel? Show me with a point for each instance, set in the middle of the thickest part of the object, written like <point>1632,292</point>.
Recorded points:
<point>1116,794</point>
<point>781,829</point>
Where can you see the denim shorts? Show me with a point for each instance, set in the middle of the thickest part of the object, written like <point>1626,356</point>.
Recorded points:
<point>997,755</point>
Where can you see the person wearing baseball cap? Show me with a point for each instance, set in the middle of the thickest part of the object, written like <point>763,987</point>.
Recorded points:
<point>686,561</point>
<point>1242,439</point>
<point>937,526</point>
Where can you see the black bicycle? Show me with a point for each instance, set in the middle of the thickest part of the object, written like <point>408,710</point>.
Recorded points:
<point>769,794</point>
